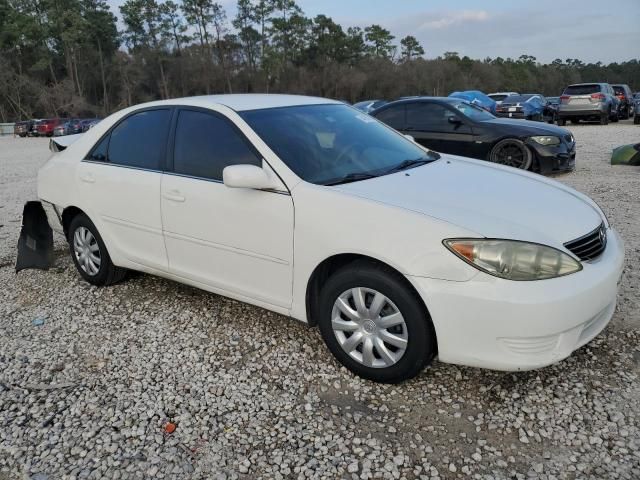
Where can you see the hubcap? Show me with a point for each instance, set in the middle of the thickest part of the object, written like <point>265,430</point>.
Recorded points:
<point>369,327</point>
<point>86,250</point>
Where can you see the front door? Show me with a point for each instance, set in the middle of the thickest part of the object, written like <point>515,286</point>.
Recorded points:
<point>236,240</point>
<point>439,128</point>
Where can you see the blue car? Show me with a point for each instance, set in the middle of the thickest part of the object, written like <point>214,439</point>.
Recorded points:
<point>530,106</point>
<point>476,97</point>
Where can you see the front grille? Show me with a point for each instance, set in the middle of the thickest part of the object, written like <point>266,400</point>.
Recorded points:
<point>590,245</point>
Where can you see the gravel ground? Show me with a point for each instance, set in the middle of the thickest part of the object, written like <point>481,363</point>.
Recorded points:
<point>252,394</point>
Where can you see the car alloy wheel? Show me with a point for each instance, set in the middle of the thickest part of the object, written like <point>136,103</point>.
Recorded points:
<point>369,327</point>
<point>513,153</point>
<point>87,251</point>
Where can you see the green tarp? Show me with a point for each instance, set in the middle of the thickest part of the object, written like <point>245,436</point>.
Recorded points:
<point>626,155</point>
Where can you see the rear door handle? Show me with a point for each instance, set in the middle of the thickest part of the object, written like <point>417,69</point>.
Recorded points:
<point>173,196</point>
<point>88,178</point>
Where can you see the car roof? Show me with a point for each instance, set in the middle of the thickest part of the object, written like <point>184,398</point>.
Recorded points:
<point>245,101</point>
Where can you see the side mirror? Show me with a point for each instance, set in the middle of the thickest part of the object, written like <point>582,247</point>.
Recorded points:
<point>247,176</point>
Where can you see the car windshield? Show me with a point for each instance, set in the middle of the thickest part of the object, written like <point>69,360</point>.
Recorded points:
<point>331,144</point>
<point>498,97</point>
<point>471,111</point>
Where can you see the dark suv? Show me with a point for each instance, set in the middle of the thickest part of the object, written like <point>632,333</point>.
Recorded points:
<point>588,101</point>
<point>626,109</point>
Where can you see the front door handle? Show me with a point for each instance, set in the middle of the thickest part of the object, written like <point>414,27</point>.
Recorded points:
<point>88,178</point>
<point>173,196</point>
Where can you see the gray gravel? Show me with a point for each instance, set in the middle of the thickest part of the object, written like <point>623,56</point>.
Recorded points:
<point>88,393</point>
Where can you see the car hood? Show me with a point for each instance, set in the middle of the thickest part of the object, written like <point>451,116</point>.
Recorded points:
<point>490,201</point>
<point>526,127</point>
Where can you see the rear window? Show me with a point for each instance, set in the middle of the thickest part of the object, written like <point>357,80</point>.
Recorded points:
<point>498,98</point>
<point>619,90</point>
<point>582,89</point>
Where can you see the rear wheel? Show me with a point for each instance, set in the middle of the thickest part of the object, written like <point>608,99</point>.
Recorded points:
<point>89,253</point>
<point>624,114</point>
<point>511,152</point>
<point>375,324</point>
<point>575,121</point>
<point>636,118</point>
<point>604,119</point>
<point>562,122</point>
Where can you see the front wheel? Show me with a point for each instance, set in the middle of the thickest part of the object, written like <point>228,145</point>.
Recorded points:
<point>511,152</point>
<point>89,253</point>
<point>375,324</point>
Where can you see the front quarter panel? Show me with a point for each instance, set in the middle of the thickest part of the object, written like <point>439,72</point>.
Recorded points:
<point>329,222</point>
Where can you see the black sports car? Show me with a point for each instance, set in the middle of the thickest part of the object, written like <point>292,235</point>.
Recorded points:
<point>454,126</point>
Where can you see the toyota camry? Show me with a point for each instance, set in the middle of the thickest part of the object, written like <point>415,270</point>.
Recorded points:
<point>315,210</point>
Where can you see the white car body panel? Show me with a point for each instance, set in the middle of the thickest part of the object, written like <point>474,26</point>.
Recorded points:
<point>262,247</point>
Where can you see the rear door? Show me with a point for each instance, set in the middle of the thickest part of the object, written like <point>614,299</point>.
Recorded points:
<point>119,183</point>
<point>237,240</point>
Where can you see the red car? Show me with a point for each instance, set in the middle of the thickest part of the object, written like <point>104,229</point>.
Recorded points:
<point>46,127</point>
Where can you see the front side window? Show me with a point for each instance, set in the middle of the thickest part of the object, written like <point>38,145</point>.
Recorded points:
<point>427,116</point>
<point>393,116</point>
<point>207,143</point>
<point>330,144</point>
<point>139,140</point>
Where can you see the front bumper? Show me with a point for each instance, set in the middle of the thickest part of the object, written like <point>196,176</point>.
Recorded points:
<point>554,158</point>
<point>499,324</point>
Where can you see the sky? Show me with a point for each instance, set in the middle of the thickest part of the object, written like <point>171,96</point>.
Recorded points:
<point>546,29</point>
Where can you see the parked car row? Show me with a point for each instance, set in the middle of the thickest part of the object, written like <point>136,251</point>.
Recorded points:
<point>53,126</point>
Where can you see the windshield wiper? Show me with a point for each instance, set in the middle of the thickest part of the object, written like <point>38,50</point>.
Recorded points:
<point>415,162</point>
<point>351,177</point>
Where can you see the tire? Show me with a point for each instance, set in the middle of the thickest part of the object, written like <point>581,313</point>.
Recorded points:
<point>575,121</point>
<point>106,273</point>
<point>614,117</point>
<point>636,119</point>
<point>562,122</point>
<point>604,119</point>
<point>511,152</point>
<point>414,340</point>
<point>626,114</point>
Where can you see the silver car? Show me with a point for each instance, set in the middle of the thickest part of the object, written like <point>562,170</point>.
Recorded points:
<point>588,101</point>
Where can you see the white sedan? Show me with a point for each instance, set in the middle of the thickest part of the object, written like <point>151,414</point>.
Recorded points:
<point>310,208</point>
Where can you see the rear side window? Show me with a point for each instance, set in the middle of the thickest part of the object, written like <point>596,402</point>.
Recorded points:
<point>207,143</point>
<point>582,89</point>
<point>393,116</point>
<point>140,140</point>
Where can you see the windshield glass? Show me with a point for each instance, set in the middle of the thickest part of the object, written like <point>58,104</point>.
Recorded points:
<point>329,144</point>
<point>471,111</point>
<point>498,97</point>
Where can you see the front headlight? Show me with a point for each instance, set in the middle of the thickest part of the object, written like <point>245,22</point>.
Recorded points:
<point>546,140</point>
<point>513,259</point>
